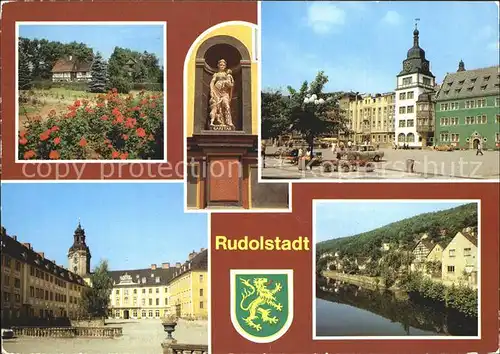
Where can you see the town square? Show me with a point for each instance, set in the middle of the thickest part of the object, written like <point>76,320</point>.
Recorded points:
<point>87,285</point>
<point>424,107</point>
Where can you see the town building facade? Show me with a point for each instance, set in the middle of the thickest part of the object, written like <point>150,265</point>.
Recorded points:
<point>71,69</point>
<point>371,118</point>
<point>459,263</point>
<point>35,288</point>
<point>414,80</point>
<point>468,108</point>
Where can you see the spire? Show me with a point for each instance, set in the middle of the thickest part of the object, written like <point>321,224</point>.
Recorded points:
<point>461,66</point>
<point>415,33</point>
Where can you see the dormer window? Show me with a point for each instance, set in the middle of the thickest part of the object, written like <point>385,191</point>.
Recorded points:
<point>450,83</point>
<point>458,90</point>
<point>486,78</point>
<point>473,80</point>
<point>470,88</point>
<point>152,275</point>
<point>446,92</point>
<point>143,280</point>
<point>483,87</point>
<point>157,279</point>
<point>461,82</point>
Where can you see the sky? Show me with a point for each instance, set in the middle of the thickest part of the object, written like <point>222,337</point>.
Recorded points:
<point>361,45</point>
<point>132,225</point>
<point>102,38</point>
<point>340,219</point>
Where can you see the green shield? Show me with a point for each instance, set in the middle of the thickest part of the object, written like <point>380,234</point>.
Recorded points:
<point>261,303</point>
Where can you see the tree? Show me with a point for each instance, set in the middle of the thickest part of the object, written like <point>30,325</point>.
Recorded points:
<point>25,79</point>
<point>96,298</point>
<point>314,113</point>
<point>274,114</point>
<point>99,75</point>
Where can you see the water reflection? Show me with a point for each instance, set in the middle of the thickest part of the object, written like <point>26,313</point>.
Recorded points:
<point>348,309</point>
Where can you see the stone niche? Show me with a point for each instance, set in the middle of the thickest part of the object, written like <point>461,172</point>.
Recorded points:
<point>238,61</point>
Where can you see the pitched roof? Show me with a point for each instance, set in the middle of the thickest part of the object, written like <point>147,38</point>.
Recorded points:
<point>470,237</point>
<point>148,277</point>
<point>70,64</point>
<point>25,254</point>
<point>429,245</point>
<point>470,83</point>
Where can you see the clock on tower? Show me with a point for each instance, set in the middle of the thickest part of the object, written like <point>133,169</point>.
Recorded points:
<point>407,66</point>
<point>425,66</point>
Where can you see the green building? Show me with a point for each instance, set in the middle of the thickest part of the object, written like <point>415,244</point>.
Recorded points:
<point>467,109</point>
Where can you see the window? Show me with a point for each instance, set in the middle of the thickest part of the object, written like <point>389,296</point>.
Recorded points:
<point>455,138</point>
<point>135,291</point>
<point>6,297</point>
<point>157,302</point>
<point>481,102</point>
<point>483,87</point>
<point>157,313</point>
<point>117,292</point>
<point>134,301</point>
<point>427,81</point>
<point>407,80</point>
<point>150,302</point>
<point>46,294</point>
<point>125,300</point>
<point>401,138</point>
<point>402,110</point>
<point>410,95</point>
<point>157,279</point>
<point>143,291</point>
<point>467,252</point>
<point>143,302</point>
<point>497,101</point>
<point>484,119</point>
<point>52,296</point>
<point>454,106</point>
<point>7,261</point>
<point>497,119</point>
<point>117,300</point>
<point>150,313</point>
<point>451,269</point>
<point>402,96</point>
<point>32,291</point>
<point>18,266</point>
<point>201,292</point>
<point>444,106</point>
<point>166,301</point>
<point>409,109</point>
<point>157,290</point>
<point>143,313</point>
<point>461,82</point>
<point>451,253</point>
<point>18,298</point>
<point>201,304</point>
<point>402,123</point>
<point>410,123</point>
<point>469,120</point>
<point>32,271</point>
<point>473,80</point>
<point>150,291</point>
<point>444,137</point>
<point>134,313</point>
<point>486,78</point>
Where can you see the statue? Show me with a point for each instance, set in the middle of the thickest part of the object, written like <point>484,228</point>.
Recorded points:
<point>221,93</point>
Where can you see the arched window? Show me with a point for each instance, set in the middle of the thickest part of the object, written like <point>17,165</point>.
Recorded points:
<point>410,138</point>
<point>401,137</point>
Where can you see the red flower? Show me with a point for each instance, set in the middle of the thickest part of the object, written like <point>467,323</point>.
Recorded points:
<point>23,141</point>
<point>142,115</point>
<point>22,133</point>
<point>124,156</point>
<point>83,142</point>
<point>104,117</point>
<point>70,114</point>
<point>29,154</point>
<point>57,141</point>
<point>115,154</point>
<point>144,101</point>
<point>130,123</point>
<point>116,112</point>
<point>77,103</point>
<point>54,128</point>
<point>45,135</point>
<point>153,105</point>
<point>119,119</point>
<point>54,155</point>
<point>141,132</point>
<point>125,137</point>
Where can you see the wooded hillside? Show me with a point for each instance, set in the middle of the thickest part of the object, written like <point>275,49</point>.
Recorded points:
<point>441,226</point>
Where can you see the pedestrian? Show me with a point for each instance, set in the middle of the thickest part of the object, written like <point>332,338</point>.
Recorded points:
<point>349,144</point>
<point>263,153</point>
<point>479,149</point>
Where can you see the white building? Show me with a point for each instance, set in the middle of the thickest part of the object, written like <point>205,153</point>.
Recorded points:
<point>415,79</point>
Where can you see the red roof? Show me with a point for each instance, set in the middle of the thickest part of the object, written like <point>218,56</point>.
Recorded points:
<point>66,65</point>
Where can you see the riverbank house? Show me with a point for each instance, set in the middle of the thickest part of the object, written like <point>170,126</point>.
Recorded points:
<point>459,262</point>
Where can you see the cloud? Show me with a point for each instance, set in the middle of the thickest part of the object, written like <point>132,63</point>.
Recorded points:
<point>392,18</point>
<point>324,17</point>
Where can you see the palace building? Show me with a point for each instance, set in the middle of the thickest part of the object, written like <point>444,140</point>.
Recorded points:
<point>414,80</point>
<point>34,288</point>
<point>468,108</point>
<point>179,289</point>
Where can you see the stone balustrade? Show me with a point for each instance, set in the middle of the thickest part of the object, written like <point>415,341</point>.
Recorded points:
<point>68,332</point>
<point>171,346</point>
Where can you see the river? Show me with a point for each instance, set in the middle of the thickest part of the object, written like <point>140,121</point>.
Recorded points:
<point>344,309</point>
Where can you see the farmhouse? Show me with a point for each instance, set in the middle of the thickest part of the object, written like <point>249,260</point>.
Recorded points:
<point>71,69</point>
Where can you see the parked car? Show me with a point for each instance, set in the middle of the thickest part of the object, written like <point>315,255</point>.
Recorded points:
<point>7,333</point>
<point>365,152</point>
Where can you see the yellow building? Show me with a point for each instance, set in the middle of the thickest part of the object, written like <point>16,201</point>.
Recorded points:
<point>459,262</point>
<point>436,253</point>
<point>188,289</point>
<point>371,117</point>
<point>221,106</point>
<point>35,289</point>
<point>154,291</point>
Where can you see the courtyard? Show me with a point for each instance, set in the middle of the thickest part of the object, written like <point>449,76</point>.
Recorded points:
<point>139,337</point>
<point>429,164</point>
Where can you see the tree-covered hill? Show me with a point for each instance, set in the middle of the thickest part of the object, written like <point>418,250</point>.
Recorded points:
<point>440,226</point>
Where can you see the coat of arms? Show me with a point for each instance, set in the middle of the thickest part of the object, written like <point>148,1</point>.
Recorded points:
<point>261,303</point>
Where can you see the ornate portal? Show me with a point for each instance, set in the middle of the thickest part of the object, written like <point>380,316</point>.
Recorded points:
<point>221,94</point>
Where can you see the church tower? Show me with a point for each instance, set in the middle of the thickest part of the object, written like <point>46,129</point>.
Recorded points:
<point>415,79</point>
<point>79,253</point>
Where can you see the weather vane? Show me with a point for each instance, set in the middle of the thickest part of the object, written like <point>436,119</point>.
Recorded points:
<point>416,22</point>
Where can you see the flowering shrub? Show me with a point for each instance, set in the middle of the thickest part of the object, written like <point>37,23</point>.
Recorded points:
<point>108,127</point>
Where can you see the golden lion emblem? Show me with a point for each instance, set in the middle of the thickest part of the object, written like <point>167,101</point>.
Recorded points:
<point>264,296</point>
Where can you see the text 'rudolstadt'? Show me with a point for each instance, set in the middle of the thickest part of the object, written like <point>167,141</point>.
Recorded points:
<point>262,243</point>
